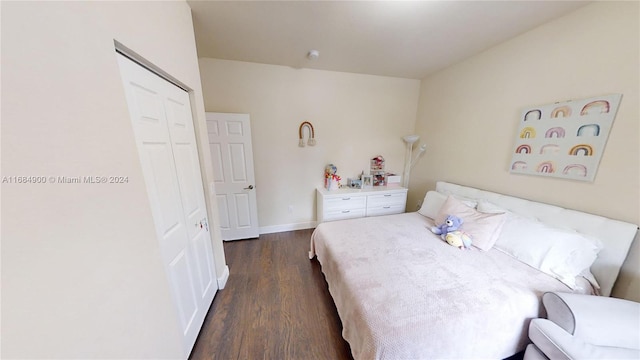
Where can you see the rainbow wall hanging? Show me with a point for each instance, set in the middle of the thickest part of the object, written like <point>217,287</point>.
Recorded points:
<point>564,140</point>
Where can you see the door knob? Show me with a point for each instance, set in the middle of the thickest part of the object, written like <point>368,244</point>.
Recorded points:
<point>250,187</point>
<point>203,224</point>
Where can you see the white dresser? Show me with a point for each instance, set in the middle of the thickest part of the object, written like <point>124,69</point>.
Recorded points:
<point>354,203</point>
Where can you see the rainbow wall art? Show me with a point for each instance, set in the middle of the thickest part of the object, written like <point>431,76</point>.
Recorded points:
<point>564,139</point>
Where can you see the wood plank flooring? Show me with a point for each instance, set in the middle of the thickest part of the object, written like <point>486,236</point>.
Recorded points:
<point>276,305</point>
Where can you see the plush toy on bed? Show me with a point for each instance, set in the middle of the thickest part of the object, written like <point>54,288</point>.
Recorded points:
<point>459,239</point>
<point>450,232</point>
<point>451,223</point>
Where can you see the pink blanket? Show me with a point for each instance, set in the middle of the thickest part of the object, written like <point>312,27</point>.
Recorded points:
<point>403,293</point>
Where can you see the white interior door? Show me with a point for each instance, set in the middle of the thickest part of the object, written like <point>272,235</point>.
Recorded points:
<point>232,156</point>
<point>163,125</point>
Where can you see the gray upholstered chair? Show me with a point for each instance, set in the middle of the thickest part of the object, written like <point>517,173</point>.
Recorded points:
<point>585,327</point>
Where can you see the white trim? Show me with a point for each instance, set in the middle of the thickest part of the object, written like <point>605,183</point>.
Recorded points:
<point>287,227</point>
<point>222,280</point>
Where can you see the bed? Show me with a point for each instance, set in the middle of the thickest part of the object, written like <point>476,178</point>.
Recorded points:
<point>403,293</point>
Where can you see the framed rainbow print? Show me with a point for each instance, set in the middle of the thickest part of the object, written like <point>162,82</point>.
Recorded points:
<point>564,140</point>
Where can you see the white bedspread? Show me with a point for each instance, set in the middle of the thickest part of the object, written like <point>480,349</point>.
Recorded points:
<point>403,293</point>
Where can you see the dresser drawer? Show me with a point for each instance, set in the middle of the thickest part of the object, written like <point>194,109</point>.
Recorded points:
<point>385,209</point>
<point>386,199</point>
<point>344,214</point>
<point>346,202</point>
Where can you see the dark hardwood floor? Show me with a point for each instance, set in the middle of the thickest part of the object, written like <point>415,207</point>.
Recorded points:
<point>275,305</point>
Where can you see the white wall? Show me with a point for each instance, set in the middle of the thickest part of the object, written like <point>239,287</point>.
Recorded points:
<point>81,270</point>
<point>469,115</point>
<point>356,117</point>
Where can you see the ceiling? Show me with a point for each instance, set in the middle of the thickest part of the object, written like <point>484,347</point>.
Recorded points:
<point>408,39</point>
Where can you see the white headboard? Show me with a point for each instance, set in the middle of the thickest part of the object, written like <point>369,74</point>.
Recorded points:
<point>616,236</point>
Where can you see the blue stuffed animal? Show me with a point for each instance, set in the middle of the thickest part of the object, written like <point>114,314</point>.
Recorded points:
<point>451,223</point>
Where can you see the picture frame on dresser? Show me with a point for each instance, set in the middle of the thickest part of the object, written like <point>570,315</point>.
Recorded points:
<point>367,181</point>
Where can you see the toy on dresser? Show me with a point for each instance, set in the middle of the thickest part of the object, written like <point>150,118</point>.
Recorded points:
<point>377,171</point>
<point>331,178</point>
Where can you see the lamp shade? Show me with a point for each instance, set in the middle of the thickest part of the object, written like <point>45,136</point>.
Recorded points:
<point>410,139</point>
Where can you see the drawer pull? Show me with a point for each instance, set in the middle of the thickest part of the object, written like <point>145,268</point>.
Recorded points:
<point>346,211</point>
<point>346,198</point>
<point>386,207</point>
<point>387,194</point>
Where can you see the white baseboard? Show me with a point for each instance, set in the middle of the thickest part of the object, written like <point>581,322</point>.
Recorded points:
<point>287,227</point>
<point>222,280</point>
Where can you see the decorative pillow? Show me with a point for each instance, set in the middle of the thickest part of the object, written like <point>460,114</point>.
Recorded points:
<point>563,254</point>
<point>484,228</point>
<point>453,206</point>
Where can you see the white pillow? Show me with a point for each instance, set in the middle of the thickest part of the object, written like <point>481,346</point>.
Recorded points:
<point>434,200</point>
<point>587,282</point>
<point>431,204</point>
<point>487,207</point>
<point>563,254</point>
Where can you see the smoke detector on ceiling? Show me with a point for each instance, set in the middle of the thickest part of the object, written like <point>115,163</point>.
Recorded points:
<point>313,55</point>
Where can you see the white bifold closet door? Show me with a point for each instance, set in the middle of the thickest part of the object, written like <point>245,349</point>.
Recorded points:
<point>163,125</point>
